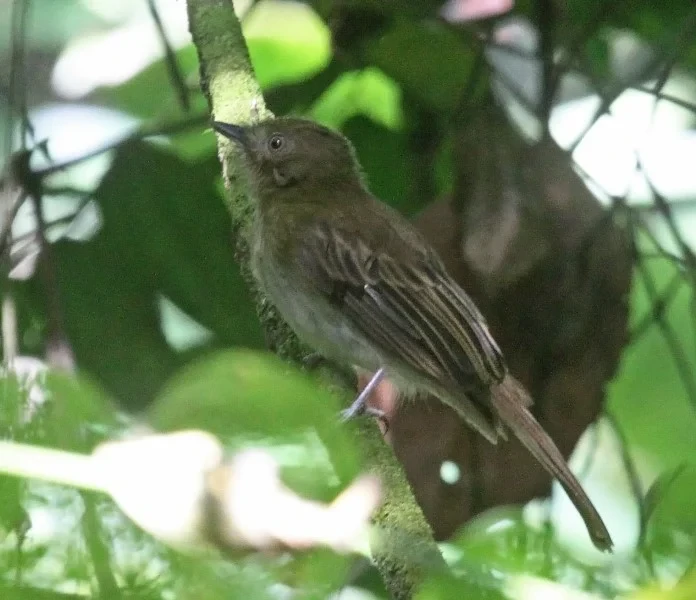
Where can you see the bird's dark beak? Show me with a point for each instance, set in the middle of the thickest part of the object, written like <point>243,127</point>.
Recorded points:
<point>234,132</point>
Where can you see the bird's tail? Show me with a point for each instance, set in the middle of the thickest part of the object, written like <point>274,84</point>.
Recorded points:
<point>510,400</point>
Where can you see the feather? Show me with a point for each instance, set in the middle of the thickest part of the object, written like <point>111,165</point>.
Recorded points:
<point>411,311</point>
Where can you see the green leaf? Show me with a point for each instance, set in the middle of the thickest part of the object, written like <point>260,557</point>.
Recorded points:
<point>368,93</point>
<point>597,49</point>
<point>12,401</point>
<point>297,98</point>
<point>465,581</point>
<point>648,396</point>
<point>668,504</point>
<point>659,488</point>
<point>500,539</point>
<point>166,233</point>
<point>149,94</point>
<point>111,319</point>
<point>657,23</point>
<point>384,156</point>
<point>428,60</point>
<point>316,574</point>
<point>171,228</point>
<point>51,23</point>
<point>77,413</point>
<point>247,397</point>
<point>13,517</point>
<point>287,42</point>
<point>498,544</point>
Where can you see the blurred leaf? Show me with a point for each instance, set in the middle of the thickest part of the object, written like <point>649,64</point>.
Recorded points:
<point>149,94</point>
<point>252,398</point>
<point>111,319</point>
<point>166,232</point>
<point>77,413</point>
<point>658,22</point>
<point>671,500</point>
<point>52,23</point>
<point>13,517</point>
<point>287,41</point>
<point>297,98</point>
<point>316,573</point>
<point>472,581</point>
<point>498,543</point>
<point>384,157</point>
<point>244,396</point>
<point>684,590</point>
<point>214,580</point>
<point>597,49</point>
<point>12,401</point>
<point>664,425</point>
<point>172,229</point>
<point>655,22</point>
<point>656,493</point>
<point>438,64</point>
<point>368,93</point>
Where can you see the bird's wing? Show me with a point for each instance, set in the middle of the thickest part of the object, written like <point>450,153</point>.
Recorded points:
<point>409,307</point>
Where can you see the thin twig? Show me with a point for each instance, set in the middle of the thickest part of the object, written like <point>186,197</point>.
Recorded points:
<point>664,62</point>
<point>588,29</point>
<point>10,215</point>
<point>465,107</point>
<point>663,206</point>
<point>9,329</point>
<point>16,104</point>
<point>59,353</point>
<point>98,550</point>
<point>18,14</point>
<point>546,24</point>
<point>175,74</point>
<point>170,128</point>
<point>658,308</point>
<point>629,464</point>
<point>677,352</point>
<point>660,95</point>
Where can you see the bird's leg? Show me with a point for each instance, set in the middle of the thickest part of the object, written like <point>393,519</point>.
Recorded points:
<point>359,406</point>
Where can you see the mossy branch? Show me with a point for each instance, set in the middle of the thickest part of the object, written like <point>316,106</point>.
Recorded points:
<point>406,547</point>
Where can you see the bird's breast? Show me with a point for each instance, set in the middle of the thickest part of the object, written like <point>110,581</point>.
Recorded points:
<point>312,316</point>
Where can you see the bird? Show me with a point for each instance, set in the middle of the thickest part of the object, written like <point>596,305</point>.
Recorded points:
<point>357,282</point>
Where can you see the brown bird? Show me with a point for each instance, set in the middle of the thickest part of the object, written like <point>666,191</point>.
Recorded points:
<point>358,282</point>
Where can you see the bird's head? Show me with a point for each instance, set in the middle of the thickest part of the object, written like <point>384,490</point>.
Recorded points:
<point>291,153</point>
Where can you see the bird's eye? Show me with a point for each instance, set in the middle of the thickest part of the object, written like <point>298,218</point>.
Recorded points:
<point>276,142</point>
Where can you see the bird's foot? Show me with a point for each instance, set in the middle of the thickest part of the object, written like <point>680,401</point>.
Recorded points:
<point>360,407</point>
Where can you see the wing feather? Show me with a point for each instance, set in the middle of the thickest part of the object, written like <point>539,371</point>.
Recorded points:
<point>412,310</point>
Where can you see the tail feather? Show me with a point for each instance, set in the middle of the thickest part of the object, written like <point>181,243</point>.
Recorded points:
<point>510,400</point>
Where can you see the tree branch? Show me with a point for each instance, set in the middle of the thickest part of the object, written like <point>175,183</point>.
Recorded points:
<point>233,93</point>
